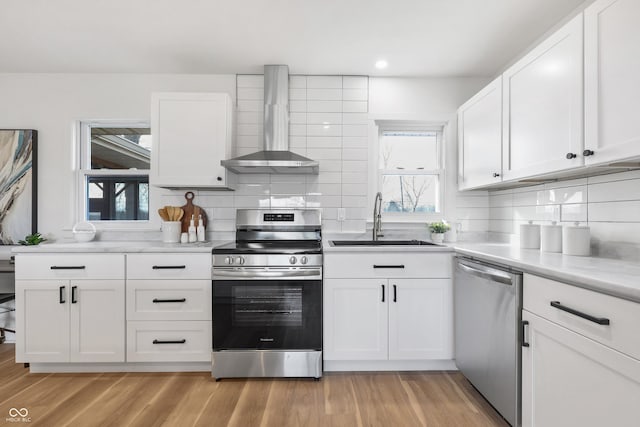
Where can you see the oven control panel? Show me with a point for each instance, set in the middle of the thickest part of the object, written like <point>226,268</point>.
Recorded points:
<point>279,217</point>
<point>271,260</point>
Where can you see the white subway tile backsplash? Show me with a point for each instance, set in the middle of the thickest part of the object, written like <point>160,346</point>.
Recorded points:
<point>501,212</point>
<point>249,117</point>
<point>298,118</point>
<point>354,177</point>
<point>253,141</point>
<point>474,224</point>
<point>330,166</point>
<point>355,130</point>
<point>528,198</point>
<point>297,106</point>
<point>355,154</point>
<point>287,178</point>
<point>329,213</point>
<point>324,82</point>
<point>354,189</point>
<point>620,176</point>
<point>323,189</point>
<point>223,225</point>
<point>572,213</point>
<point>324,106</point>
<point>324,118</point>
<point>615,191</point>
<point>324,142</point>
<point>355,142</point>
<point>252,202</point>
<point>472,213</point>
<point>287,202</point>
<point>331,226</point>
<point>282,188</point>
<point>250,80</point>
<point>250,106</point>
<point>329,201</point>
<point>324,153</point>
<point>250,93</point>
<point>249,129</point>
<point>252,189</point>
<point>324,130</point>
<point>329,177</point>
<point>222,213</point>
<point>297,130</point>
<point>354,201</point>
<point>576,194</point>
<point>500,200</point>
<point>355,106</point>
<point>355,94</point>
<point>355,82</point>
<point>298,141</point>
<point>297,94</point>
<point>355,118</point>
<point>354,166</point>
<point>254,178</point>
<point>501,226</point>
<point>297,82</point>
<point>465,201</point>
<point>324,94</point>
<point>615,211</point>
<point>354,225</point>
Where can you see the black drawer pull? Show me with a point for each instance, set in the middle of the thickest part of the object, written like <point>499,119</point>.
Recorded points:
<point>68,267</point>
<point>395,293</point>
<point>156,300</point>
<point>74,298</point>
<point>598,320</point>
<point>61,298</point>
<point>169,267</point>
<point>182,341</point>
<point>525,323</point>
<point>382,293</point>
<point>388,266</point>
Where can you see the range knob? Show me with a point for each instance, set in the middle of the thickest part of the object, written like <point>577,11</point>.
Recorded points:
<point>292,260</point>
<point>303,260</point>
<point>240,260</point>
<point>228,260</point>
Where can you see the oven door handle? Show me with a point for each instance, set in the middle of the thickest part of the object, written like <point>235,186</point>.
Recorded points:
<point>268,274</point>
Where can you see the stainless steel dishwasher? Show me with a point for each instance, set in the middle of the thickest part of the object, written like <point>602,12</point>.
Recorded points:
<point>488,312</point>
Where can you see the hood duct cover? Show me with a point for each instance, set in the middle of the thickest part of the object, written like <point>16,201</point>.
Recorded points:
<point>276,157</point>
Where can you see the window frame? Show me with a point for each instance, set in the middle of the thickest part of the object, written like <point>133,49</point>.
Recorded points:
<point>409,126</point>
<point>84,171</point>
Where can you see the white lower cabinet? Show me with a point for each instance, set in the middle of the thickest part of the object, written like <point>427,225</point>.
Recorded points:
<point>571,380</point>
<point>387,319</point>
<point>581,366</point>
<point>70,321</point>
<point>162,341</point>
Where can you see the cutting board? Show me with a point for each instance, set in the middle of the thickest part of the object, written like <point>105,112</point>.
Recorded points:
<point>191,209</point>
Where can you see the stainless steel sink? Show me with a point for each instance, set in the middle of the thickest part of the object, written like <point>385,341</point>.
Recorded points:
<point>381,243</point>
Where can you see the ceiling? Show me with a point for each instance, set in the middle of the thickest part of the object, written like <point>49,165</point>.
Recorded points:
<point>433,38</point>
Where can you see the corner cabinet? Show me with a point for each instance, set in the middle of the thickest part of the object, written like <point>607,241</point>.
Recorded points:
<point>578,371</point>
<point>192,133</point>
<point>543,107</point>
<point>480,138</point>
<point>612,81</point>
<point>70,308</point>
<point>387,307</point>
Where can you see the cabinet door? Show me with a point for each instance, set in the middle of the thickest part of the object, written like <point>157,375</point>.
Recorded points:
<point>612,80</point>
<point>191,135</point>
<point>543,108</point>
<point>570,380</point>
<point>355,319</point>
<point>97,321</point>
<point>480,138</point>
<point>42,321</point>
<point>420,319</point>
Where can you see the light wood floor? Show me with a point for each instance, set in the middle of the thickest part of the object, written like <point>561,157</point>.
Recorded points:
<point>194,399</point>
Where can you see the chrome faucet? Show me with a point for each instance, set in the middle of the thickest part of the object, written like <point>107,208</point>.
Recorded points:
<point>377,218</point>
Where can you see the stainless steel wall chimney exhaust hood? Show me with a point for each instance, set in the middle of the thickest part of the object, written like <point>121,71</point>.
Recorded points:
<point>276,157</point>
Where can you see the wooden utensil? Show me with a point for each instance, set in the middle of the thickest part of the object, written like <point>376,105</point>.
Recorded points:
<point>163,214</point>
<point>190,209</point>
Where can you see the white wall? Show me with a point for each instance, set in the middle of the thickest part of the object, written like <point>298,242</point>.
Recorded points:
<point>50,103</point>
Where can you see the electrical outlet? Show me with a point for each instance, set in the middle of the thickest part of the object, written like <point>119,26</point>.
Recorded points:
<point>342,214</point>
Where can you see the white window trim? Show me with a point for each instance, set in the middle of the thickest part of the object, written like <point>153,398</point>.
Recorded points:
<point>405,218</point>
<point>82,137</point>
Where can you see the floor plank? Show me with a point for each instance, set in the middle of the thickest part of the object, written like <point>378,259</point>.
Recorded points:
<point>341,399</point>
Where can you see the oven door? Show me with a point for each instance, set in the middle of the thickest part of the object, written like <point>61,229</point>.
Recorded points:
<point>270,314</point>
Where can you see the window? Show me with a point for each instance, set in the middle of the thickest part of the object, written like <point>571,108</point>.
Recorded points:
<point>410,173</point>
<point>114,171</point>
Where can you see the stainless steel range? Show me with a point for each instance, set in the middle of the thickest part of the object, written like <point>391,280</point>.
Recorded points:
<point>267,296</point>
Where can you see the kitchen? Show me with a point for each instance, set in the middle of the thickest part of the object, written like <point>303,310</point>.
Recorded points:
<point>539,128</point>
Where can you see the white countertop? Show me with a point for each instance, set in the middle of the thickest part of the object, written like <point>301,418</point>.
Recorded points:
<point>614,277</point>
<point>117,246</point>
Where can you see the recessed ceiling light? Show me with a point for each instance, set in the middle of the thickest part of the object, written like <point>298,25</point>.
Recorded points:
<point>381,64</point>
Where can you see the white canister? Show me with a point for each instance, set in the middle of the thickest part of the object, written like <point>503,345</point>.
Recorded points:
<point>551,238</point>
<point>171,231</point>
<point>530,236</point>
<point>576,240</point>
<point>451,236</point>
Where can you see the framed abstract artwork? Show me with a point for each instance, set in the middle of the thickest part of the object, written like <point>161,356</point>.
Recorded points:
<point>18,184</point>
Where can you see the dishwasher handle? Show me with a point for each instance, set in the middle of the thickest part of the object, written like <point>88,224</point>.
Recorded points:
<point>485,272</point>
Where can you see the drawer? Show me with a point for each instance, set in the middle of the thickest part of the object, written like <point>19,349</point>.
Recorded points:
<point>169,266</point>
<point>622,332</point>
<point>159,341</point>
<point>341,265</point>
<point>69,266</point>
<point>169,299</point>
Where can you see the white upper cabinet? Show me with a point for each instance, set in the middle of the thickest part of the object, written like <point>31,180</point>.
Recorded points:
<point>480,138</point>
<point>192,133</point>
<point>543,107</point>
<point>612,80</point>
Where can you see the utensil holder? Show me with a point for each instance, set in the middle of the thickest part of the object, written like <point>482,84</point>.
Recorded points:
<point>171,231</point>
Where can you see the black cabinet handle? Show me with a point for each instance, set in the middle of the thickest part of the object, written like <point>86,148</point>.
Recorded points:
<point>382,293</point>
<point>388,266</point>
<point>169,267</point>
<point>156,300</point>
<point>68,267</point>
<point>61,295</point>
<point>182,341</point>
<point>598,320</point>
<point>219,178</point>
<point>588,153</point>
<point>571,156</point>
<point>496,174</point>
<point>524,342</point>
<point>395,293</point>
<point>73,294</point>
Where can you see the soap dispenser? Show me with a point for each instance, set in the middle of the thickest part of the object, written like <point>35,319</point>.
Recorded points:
<point>200,230</point>
<point>192,230</point>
